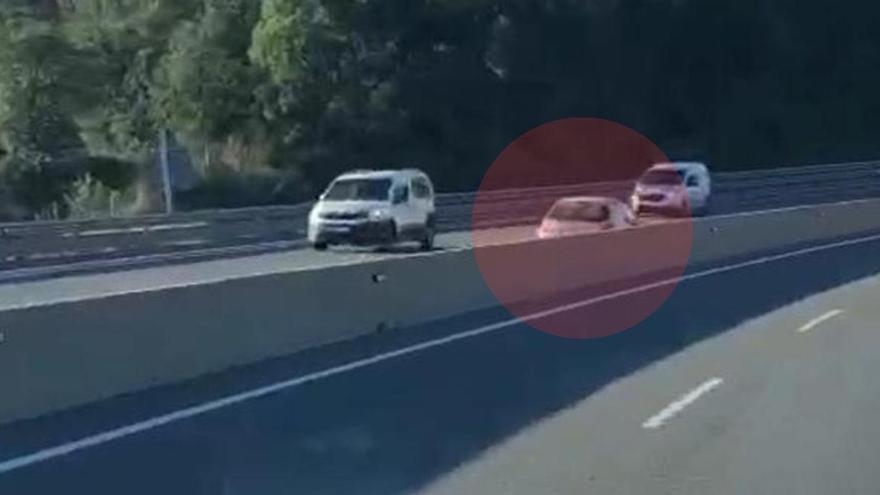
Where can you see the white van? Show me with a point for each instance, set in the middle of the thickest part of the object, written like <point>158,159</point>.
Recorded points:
<point>681,187</point>
<point>374,208</point>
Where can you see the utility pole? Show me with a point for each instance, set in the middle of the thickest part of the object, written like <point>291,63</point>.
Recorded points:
<point>166,173</point>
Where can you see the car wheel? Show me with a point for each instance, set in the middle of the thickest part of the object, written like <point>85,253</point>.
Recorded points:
<point>684,210</point>
<point>320,246</point>
<point>430,232</point>
<point>391,234</point>
<point>706,209</point>
<point>428,241</point>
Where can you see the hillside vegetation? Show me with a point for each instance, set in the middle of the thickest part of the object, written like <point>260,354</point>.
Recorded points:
<point>271,98</point>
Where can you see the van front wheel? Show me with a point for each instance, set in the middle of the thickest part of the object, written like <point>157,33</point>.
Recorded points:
<point>389,235</point>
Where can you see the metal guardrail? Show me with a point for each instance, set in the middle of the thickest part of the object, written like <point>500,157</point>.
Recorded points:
<point>29,244</point>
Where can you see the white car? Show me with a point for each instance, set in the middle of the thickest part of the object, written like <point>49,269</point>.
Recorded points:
<point>585,215</point>
<point>681,188</point>
<point>374,208</point>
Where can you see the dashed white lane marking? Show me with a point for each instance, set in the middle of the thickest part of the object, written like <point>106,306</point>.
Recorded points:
<point>186,413</point>
<point>815,322</point>
<point>679,405</point>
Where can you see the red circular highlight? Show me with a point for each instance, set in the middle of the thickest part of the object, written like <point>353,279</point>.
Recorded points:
<point>594,283</point>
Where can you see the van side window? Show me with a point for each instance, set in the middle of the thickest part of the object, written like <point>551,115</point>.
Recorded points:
<point>400,194</point>
<point>421,189</point>
<point>693,181</point>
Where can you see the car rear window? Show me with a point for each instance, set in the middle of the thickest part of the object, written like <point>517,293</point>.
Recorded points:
<point>580,212</point>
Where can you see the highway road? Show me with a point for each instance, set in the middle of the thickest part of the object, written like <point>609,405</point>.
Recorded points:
<point>89,285</point>
<point>39,250</point>
<point>40,292</point>
<point>754,378</point>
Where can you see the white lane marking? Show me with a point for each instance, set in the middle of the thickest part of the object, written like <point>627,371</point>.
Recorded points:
<point>815,322</point>
<point>186,242</point>
<point>139,229</point>
<point>783,209</point>
<point>178,226</point>
<point>679,405</point>
<point>181,414</point>
<point>102,232</point>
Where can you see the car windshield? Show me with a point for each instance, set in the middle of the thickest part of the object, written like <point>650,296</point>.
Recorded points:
<point>581,211</point>
<point>662,177</point>
<point>359,190</point>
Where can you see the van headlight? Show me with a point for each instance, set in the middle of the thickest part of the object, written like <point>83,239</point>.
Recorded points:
<point>377,215</point>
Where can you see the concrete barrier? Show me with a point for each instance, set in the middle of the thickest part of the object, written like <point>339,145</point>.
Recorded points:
<point>61,355</point>
<point>734,235</point>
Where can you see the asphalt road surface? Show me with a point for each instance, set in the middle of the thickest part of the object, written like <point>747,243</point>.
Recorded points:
<point>761,379</point>
<point>92,285</point>
<point>106,245</point>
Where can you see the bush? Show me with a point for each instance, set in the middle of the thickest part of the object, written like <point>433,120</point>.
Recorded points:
<point>90,198</point>
<point>112,172</point>
<point>230,189</point>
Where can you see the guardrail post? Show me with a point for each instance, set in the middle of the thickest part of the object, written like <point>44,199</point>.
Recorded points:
<point>166,173</point>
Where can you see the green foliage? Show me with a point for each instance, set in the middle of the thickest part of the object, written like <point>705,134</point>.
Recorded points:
<point>279,38</point>
<point>290,92</point>
<point>112,172</point>
<point>40,85</point>
<point>38,82</point>
<point>200,96</point>
<point>127,39</point>
<point>90,198</point>
<point>228,189</point>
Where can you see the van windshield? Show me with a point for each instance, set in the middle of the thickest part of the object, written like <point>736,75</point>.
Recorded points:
<point>359,190</point>
<point>662,177</point>
<point>579,212</point>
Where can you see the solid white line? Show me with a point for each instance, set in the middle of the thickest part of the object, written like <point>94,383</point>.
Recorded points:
<point>815,322</point>
<point>139,229</point>
<point>783,209</point>
<point>181,414</point>
<point>178,226</point>
<point>679,405</point>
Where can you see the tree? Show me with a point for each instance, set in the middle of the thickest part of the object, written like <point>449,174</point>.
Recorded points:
<point>205,81</point>
<point>280,36</point>
<point>127,39</point>
<point>40,84</point>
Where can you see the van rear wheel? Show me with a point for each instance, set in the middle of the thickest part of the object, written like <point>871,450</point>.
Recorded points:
<point>427,243</point>
<point>705,209</point>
